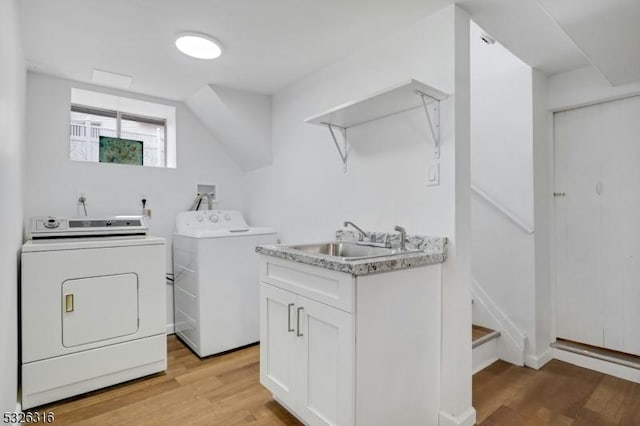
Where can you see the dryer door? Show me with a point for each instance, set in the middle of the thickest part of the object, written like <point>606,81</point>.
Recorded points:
<point>99,308</point>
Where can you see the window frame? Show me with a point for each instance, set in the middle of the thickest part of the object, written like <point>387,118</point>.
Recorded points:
<point>140,108</point>
<point>119,116</point>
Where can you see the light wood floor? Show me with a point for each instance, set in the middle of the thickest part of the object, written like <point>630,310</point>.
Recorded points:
<point>218,390</point>
<point>224,390</point>
<point>557,394</point>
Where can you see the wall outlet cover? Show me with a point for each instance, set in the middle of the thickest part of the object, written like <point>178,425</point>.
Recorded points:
<point>206,189</point>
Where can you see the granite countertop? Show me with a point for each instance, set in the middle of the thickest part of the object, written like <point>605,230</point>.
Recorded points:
<point>432,250</point>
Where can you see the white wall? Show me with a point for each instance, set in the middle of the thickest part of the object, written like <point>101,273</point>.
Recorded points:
<point>503,254</point>
<point>240,121</point>
<point>306,195</point>
<point>501,140</point>
<point>12,104</point>
<point>53,181</point>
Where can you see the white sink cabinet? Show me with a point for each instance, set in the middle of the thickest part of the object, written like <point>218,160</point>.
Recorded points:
<point>338,349</point>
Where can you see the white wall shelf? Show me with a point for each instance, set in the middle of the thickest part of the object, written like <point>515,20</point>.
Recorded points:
<point>392,100</point>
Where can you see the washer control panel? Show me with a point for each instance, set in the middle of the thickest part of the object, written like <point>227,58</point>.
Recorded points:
<point>210,220</point>
<point>51,227</point>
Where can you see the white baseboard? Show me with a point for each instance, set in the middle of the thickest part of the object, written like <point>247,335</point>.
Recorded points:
<point>171,329</point>
<point>606,367</point>
<point>537,362</point>
<point>468,418</point>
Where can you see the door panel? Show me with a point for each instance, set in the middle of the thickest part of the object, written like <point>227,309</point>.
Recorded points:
<point>598,224</point>
<point>277,336</point>
<point>326,356</point>
<point>625,212</point>
<point>99,308</point>
<point>578,145</point>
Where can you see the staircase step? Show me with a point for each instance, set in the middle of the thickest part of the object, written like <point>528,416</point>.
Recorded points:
<point>481,335</point>
<point>484,346</point>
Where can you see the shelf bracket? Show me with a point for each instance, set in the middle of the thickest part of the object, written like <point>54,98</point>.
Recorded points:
<point>433,119</point>
<point>344,151</point>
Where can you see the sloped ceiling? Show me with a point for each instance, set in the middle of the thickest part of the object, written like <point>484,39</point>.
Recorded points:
<point>607,31</point>
<point>555,36</point>
<point>239,120</point>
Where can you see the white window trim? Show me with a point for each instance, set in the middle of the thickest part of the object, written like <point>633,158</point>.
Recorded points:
<point>134,107</point>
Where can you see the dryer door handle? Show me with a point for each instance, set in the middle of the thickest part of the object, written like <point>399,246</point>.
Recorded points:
<point>68,303</point>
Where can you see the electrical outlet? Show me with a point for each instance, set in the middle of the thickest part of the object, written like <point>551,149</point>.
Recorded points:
<point>433,174</point>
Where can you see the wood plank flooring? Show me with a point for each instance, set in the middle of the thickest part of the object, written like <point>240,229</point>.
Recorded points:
<point>557,394</point>
<point>218,390</point>
<point>224,390</point>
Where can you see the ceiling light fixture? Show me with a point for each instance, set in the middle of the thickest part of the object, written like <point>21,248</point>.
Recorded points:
<point>198,45</point>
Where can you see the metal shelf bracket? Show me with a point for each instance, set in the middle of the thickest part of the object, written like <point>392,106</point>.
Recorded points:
<point>433,118</point>
<point>344,151</point>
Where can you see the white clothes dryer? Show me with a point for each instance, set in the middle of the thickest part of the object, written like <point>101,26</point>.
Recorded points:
<point>217,284</point>
<point>93,306</point>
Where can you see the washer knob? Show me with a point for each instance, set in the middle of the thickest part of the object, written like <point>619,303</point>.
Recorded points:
<point>199,218</point>
<point>214,218</point>
<point>51,223</point>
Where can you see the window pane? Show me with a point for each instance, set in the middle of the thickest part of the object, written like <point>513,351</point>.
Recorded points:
<point>85,131</point>
<point>152,136</point>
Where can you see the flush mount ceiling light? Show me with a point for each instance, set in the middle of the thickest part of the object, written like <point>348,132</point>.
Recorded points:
<point>198,45</point>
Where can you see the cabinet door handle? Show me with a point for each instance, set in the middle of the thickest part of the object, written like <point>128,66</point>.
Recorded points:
<point>291,330</point>
<point>298,323</point>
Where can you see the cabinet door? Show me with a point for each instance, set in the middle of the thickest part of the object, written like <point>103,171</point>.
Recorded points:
<point>277,342</point>
<point>325,357</point>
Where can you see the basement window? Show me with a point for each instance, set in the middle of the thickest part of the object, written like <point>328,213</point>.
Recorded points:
<point>111,129</point>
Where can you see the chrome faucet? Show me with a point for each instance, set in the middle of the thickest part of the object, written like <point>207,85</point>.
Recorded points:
<point>357,228</point>
<point>403,236</point>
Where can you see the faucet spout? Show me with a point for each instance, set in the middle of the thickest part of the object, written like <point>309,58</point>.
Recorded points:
<point>403,237</point>
<point>357,228</point>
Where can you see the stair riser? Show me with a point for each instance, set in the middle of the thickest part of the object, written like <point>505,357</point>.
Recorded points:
<point>484,355</point>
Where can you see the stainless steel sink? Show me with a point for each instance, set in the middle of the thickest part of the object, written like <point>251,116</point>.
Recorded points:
<point>348,251</point>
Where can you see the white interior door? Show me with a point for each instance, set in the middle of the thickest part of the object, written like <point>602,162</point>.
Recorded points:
<point>621,225</point>
<point>597,151</point>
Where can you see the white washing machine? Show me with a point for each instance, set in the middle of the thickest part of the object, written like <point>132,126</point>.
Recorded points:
<point>217,288</point>
<point>93,306</point>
